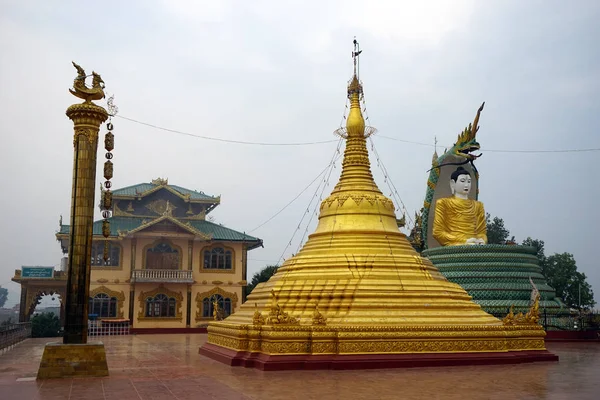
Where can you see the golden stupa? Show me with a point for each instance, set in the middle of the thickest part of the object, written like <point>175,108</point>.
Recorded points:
<point>357,295</point>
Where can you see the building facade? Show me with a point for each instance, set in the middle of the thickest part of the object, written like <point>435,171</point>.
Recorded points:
<point>167,264</point>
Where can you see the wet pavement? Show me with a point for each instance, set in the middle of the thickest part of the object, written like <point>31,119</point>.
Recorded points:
<point>169,367</point>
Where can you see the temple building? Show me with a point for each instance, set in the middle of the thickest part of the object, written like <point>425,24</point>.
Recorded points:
<point>167,264</point>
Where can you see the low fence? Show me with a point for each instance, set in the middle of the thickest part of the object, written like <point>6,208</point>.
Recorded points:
<point>12,334</point>
<point>565,321</point>
<point>109,327</point>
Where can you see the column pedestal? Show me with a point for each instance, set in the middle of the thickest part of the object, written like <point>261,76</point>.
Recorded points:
<point>73,360</point>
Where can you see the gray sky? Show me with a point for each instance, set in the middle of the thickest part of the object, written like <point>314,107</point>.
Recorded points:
<point>276,71</point>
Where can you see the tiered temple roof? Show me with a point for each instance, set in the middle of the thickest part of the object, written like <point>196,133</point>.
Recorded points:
<point>146,205</point>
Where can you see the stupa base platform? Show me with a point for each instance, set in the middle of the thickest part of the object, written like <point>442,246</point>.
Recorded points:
<point>285,347</point>
<point>266,362</point>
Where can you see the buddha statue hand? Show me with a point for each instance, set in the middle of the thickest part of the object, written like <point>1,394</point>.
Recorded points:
<point>480,242</point>
<point>472,241</point>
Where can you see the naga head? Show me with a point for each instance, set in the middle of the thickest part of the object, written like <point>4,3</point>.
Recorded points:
<point>97,81</point>
<point>467,143</point>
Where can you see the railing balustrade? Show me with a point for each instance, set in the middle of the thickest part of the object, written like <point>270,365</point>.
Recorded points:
<point>162,275</point>
<point>12,334</point>
<point>108,327</point>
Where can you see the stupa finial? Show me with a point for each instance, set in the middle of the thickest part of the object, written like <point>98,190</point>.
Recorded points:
<point>355,53</point>
<point>355,124</point>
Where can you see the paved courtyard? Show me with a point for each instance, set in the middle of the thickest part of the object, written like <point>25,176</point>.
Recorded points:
<point>169,367</point>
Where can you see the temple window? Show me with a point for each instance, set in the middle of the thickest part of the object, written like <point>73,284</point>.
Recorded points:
<point>218,258</point>
<point>161,305</point>
<point>163,256</point>
<point>103,306</point>
<point>114,254</point>
<point>224,304</point>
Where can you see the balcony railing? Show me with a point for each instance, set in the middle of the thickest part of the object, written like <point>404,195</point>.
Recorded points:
<point>162,275</point>
<point>12,334</point>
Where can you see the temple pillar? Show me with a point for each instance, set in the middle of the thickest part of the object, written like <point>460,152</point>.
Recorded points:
<point>23,316</point>
<point>75,356</point>
<point>188,311</point>
<point>244,270</point>
<point>131,304</point>
<point>190,254</point>
<point>62,312</point>
<point>87,118</point>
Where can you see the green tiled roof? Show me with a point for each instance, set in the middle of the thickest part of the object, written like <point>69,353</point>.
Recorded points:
<point>218,232</point>
<point>144,187</point>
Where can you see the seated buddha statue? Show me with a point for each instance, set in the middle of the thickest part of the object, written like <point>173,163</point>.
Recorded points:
<point>459,220</point>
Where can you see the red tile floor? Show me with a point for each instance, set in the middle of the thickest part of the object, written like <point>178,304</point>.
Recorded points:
<point>169,367</point>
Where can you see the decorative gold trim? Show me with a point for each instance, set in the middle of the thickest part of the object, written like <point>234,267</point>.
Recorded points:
<point>216,270</point>
<point>158,241</point>
<point>257,318</point>
<point>318,318</point>
<point>531,318</point>
<point>160,182</point>
<point>90,135</point>
<point>120,296</point>
<point>117,212</point>
<point>160,290</point>
<point>186,226</point>
<point>161,207</point>
<point>217,290</point>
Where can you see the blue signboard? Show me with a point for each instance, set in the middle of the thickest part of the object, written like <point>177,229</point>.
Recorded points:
<point>37,272</point>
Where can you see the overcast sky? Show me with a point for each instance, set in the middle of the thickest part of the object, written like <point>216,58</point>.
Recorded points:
<point>276,72</point>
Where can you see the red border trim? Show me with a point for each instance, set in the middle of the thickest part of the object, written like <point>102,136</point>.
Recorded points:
<point>266,362</point>
<point>153,331</point>
<point>573,336</point>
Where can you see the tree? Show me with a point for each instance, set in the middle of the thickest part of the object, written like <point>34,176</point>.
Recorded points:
<point>45,325</point>
<point>261,276</point>
<point>539,249</point>
<point>570,284</point>
<point>496,232</point>
<point>3,296</point>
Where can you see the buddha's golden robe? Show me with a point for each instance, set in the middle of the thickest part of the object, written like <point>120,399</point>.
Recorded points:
<point>457,220</point>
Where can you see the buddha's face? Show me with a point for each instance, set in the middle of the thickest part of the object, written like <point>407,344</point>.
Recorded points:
<point>462,186</point>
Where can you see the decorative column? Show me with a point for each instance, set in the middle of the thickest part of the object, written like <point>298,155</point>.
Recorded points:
<point>23,304</point>
<point>188,308</point>
<point>87,118</point>
<point>75,356</point>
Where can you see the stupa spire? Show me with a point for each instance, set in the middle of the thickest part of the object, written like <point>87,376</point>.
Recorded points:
<point>356,180</point>
<point>356,168</point>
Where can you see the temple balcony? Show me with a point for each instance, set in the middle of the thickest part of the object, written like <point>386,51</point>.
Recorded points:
<point>162,276</point>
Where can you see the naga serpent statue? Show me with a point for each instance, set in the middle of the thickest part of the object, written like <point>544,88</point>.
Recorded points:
<point>461,153</point>
<point>80,89</point>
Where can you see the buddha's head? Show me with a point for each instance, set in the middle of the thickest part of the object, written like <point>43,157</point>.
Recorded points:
<point>460,183</point>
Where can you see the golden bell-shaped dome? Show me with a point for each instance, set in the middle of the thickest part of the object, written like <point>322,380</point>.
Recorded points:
<point>357,266</point>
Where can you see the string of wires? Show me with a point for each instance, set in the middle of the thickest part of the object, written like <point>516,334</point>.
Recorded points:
<point>244,142</point>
